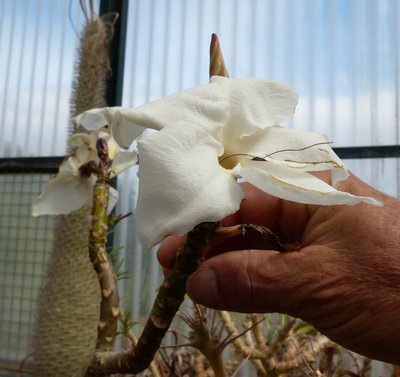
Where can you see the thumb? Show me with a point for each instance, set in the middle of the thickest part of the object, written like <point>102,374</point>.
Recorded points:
<point>250,281</point>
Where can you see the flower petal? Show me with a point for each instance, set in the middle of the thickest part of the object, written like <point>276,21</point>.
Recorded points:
<point>63,194</point>
<point>256,104</point>
<point>200,105</point>
<point>94,119</point>
<point>70,165</point>
<point>298,186</point>
<point>181,183</point>
<point>83,147</point>
<point>124,132</point>
<point>123,161</point>
<point>204,105</point>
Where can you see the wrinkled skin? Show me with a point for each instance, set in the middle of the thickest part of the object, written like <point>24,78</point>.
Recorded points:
<point>345,279</point>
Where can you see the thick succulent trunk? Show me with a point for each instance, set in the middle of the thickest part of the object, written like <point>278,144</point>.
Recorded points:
<point>65,332</point>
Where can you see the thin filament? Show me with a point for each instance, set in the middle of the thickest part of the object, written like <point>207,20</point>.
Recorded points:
<point>258,158</point>
<point>300,149</point>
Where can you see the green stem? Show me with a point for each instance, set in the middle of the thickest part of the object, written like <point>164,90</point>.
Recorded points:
<point>109,307</point>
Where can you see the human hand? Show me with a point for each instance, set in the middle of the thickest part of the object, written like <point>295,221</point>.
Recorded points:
<point>345,279</point>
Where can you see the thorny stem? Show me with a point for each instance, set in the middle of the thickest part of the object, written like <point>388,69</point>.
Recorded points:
<point>283,333</point>
<point>210,348</point>
<point>303,356</point>
<point>241,347</point>
<point>109,307</point>
<point>215,358</point>
<point>206,342</point>
<point>199,359</point>
<point>134,340</point>
<point>270,363</point>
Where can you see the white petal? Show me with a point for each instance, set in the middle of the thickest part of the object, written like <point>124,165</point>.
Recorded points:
<point>81,146</point>
<point>62,194</point>
<point>280,143</point>
<point>79,140</point>
<point>85,188</point>
<point>298,186</point>
<point>84,146</point>
<point>123,161</point>
<point>124,132</point>
<point>256,104</point>
<point>70,165</point>
<point>94,119</point>
<point>284,143</point>
<point>181,183</point>
<point>203,105</point>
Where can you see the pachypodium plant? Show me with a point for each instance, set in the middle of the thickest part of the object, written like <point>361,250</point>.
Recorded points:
<point>209,137</point>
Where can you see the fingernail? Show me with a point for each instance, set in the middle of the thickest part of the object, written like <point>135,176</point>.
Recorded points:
<point>202,287</point>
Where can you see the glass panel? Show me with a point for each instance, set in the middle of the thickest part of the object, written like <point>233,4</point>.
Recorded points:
<point>341,56</point>
<point>39,40</point>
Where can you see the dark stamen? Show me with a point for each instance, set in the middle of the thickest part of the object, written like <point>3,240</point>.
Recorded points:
<point>256,158</point>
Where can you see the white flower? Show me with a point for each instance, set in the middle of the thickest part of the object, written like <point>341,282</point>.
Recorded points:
<point>210,136</point>
<point>72,188</point>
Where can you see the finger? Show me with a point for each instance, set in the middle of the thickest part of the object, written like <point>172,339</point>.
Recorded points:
<point>356,186</point>
<point>253,281</point>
